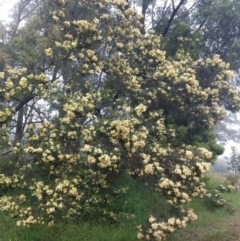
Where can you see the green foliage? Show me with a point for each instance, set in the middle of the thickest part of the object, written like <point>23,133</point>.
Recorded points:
<point>181,37</point>
<point>139,201</point>
<point>213,199</point>
<point>211,28</point>
<point>234,160</point>
<point>95,230</point>
<point>216,185</point>
<point>219,20</point>
<point>232,179</point>
<point>223,189</point>
<point>100,110</point>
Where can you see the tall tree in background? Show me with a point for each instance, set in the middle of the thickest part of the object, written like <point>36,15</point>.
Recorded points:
<point>202,28</point>
<point>22,47</point>
<point>234,160</point>
<point>218,23</point>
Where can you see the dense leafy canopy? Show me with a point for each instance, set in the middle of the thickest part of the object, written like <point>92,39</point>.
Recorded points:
<point>88,99</point>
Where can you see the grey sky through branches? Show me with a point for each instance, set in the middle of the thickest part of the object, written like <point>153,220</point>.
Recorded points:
<point>5,8</point>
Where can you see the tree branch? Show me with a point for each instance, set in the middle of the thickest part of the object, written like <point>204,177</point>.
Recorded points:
<point>28,98</point>
<point>172,17</point>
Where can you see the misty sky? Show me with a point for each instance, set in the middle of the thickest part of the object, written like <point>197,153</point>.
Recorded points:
<point>5,7</point>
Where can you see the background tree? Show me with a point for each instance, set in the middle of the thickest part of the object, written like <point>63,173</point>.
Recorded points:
<point>218,23</point>
<point>202,28</point>
<point>234,160</point>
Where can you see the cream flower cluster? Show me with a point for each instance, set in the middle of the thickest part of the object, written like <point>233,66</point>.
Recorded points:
<point>116,115</point>
<point>159,230</point>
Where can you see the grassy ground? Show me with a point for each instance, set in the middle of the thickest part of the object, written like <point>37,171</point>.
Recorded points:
<point>212,225</point>
<point>217,225</point>
<point>221,224</point>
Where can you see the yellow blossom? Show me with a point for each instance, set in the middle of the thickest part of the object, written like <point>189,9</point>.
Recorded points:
<point>140,109</point>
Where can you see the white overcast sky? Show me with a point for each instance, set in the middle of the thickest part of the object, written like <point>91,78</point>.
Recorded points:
<point>5,7</point>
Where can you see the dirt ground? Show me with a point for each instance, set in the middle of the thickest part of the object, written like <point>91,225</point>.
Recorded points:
<point>233,226</point>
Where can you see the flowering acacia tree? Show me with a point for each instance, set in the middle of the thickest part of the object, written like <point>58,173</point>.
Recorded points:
<point>118,105</point>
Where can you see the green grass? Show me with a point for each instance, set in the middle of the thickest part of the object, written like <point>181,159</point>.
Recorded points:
<point>212,225</point>
<point>67,231</point>
<point>216,224</point>
<point>140,201</point>
<point>70,232</point>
